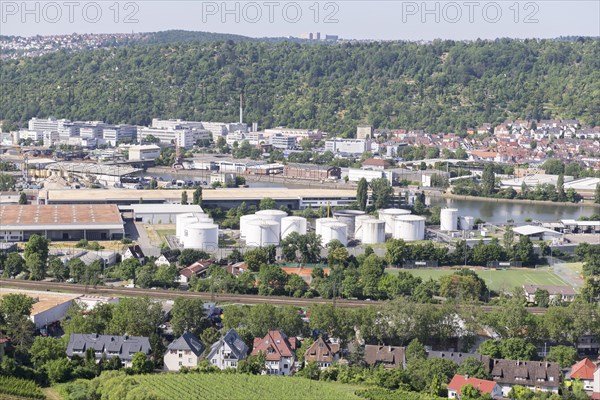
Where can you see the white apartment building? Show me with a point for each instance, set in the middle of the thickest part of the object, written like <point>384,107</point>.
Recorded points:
<point>114,134</point>
<point>279,141</point>
<point>50,138</point>
<point>175,124</point>
<point>33,135</point>
<point>364,132</point>
<point>185,137</point>
<point>47,124</point>
<point>228,351</point>
<point>253,138</point>
<point>186,351</point>
<point>347,146</point>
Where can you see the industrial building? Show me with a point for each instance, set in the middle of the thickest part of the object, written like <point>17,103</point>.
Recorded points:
<point>49,307</point>
<point>105,174</point>
<point>144,152</point>
<point>61,222</point>
<point>537,232</point>
<point>312,172</point>
<point>347,146</point>
<point>159,213</point>
<point>294,199</point>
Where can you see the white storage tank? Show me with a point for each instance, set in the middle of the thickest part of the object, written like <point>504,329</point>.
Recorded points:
<point>261,233</point>
<point>358,221</point>
<point>409,227</point>
<point>182,220</point>
<point>292,224</point>
<point>448,219</point>
<point>332,231</point>
<point>244,219</point>
<point>373,231</point>
<point>320,221</point>
<point>388,215</point>
<point>202,236</point>
<point>348,217</point>
<point>204,218</point>
<point>273,215</point>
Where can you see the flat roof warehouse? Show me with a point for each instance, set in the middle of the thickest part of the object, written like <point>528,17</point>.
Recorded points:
<point>34,216</point>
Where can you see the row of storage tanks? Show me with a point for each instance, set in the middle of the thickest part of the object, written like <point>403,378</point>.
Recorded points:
<point>268,227</point>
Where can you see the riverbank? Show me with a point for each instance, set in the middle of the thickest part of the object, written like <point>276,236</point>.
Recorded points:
<point>449,195</point>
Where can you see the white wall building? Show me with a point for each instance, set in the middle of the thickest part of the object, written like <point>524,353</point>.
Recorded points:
<point>228,351</point>
<point>144,152</point>
<point>347,146</point>
<point>186,351</point>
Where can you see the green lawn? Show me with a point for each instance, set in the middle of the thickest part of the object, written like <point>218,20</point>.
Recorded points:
<point>498,280</point>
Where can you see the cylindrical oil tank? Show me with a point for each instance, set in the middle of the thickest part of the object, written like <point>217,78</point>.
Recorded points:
<point>261,233</point>
<point>320,221</point>
<point>244,219</point>
<point>181,221</point>
<point>273,215</point>
<point>204,218</point>
<point>373,231</point>
<point>388,215</point>
<point>448,219</point>
<point>202,236</point>
<point>358,221</point>
<point>409,227</point>
<point>467,223</point>
<point>348,217</point>
<point>292,224</point>
<point>332,231</point>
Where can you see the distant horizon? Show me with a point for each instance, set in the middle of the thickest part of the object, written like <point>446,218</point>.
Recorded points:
<point>300,38</point>
<point>377,20</point>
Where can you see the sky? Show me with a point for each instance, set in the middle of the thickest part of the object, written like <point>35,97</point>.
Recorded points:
<point>348,19</point>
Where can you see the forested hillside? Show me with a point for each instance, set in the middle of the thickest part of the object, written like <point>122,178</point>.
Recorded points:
<point>443,86</point>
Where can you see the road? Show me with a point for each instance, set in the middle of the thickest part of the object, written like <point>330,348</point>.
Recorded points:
<point>216,297</point>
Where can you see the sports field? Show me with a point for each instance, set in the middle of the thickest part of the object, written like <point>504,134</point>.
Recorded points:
<point>498,280</point>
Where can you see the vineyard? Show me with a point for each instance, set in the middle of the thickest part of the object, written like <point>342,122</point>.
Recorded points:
<point>246,387</point>
<point>20,388</point>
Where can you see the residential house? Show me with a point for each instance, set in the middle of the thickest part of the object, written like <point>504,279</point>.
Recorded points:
<point>196,269</point>
<point>166,259</point>
<point>375,163</point>
<point>561,293</point>
<point>584,372</point>
<point>236,269</point>
<point>185,351</point>
<point>228,351</point>
<point>388,356</point>
<point>123,347</point>
<point>134,252</point>
<point>484,386</point>
<point>323,352</point>
<point>535,375</point>
<point>279,351</point>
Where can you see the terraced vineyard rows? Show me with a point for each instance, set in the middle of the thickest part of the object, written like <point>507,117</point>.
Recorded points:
<point>243,387</point>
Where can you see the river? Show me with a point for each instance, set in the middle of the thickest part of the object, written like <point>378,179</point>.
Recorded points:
<point>501,211</point>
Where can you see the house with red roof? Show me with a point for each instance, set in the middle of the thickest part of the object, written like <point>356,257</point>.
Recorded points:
<point>584,372</point>
<point>484,386</point>
<point>279,351</point>
<point>596,391</point>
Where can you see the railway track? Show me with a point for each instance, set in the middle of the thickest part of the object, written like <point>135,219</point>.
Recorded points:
<point>214,297</point>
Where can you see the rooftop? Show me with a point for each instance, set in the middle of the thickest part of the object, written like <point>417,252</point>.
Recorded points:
<point>94,168</point>
<point>44,300</point>
<point>61,195</point>
<point>35,216</point>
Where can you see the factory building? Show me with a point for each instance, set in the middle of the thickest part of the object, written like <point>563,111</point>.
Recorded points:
<point>61,222</point>
<point>160,213</point>
<point>311,172</point>
<point>105,174</point>
<point>144,152</point>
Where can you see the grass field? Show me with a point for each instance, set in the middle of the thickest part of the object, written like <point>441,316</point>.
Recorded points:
<point>498,280</point>
<point>196,386</point>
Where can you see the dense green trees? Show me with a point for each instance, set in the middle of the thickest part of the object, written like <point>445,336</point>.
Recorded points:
<point>389,84</point>
<point>362,194</point>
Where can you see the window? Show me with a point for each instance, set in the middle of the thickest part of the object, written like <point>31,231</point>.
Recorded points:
<point>190,360</point>
<point>180,363</point>
<point>234,364</point>
<point>285,366</point>
<point>180,355</point>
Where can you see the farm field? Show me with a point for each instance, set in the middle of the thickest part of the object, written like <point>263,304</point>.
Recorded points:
<point>242,387</point>
<point>498,280</point>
